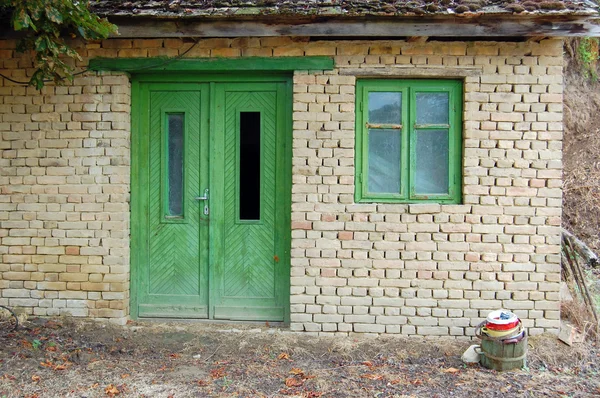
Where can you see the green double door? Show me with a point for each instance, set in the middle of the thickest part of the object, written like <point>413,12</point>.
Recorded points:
<point>213,194</point>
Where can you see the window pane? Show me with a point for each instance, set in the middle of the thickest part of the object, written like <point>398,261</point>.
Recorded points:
<point>249,166</point>
<point>431,174</point>
<point>175,142</point>
<point>385,108</point>
<point>432,108</point>
<point>384,161</point>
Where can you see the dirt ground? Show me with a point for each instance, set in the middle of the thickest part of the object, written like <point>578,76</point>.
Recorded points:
<point>67,358</point>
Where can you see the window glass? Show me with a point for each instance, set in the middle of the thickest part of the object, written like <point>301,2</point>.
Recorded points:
<point>432,108</point>
<point>385,108</point>
<point>431,174</point>
<point>384,161</point>
<point>175,124</point>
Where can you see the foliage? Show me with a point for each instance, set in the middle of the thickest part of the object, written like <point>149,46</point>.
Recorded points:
<point>587,52</point>
<point>45,24</point>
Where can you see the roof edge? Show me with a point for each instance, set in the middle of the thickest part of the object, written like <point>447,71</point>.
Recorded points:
<point>480,26</point>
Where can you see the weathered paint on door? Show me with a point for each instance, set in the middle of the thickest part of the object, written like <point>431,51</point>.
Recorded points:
<point>247,282</point>
<point>224,264</point>
<point>174,282</point>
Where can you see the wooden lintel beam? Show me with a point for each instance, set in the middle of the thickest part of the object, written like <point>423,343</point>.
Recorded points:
<point>537,39</point>
<point>417,39</point>
<point>448,27</point>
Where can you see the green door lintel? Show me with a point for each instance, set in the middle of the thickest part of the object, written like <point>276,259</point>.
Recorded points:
<point>211,64</point>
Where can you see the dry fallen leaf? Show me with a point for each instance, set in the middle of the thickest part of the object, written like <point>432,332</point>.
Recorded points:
<point>293,382</point>
<point>60,367</point>
<point>296,371</point>
<point>217,373</point>
<point>283,355</point>
<point>368,363</point>
<point>313,394</point>
<point>372,376</point>
<point>35,378</point>
<point>111,390</point>
<point>451,370</point>
<point>203,383</point>
<point>124,376</point>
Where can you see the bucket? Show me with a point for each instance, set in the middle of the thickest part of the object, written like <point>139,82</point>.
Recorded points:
<point>503,353</point>
<point>500,327</point>
<point>501,317</point>
<point>501,333</point>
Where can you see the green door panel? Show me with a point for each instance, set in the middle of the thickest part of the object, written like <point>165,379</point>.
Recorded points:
<point>248,284</point>
<point>175,281</point>
<point>218,264</point>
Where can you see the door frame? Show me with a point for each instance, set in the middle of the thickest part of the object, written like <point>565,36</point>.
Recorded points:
<point>139,153</point>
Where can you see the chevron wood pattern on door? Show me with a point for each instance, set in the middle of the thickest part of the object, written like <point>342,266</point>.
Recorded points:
<point>173,246</point>
<point>249,265</point>
<point>213,265</point>
<point>173,274</point>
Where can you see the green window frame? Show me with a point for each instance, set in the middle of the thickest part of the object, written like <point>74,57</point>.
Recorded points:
<point>415,164</point>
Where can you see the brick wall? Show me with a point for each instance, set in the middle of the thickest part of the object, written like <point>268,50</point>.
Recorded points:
<point>356,268</point>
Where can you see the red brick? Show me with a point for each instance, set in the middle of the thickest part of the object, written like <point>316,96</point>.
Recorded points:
<point>301,225</point>
<point>346,235</point>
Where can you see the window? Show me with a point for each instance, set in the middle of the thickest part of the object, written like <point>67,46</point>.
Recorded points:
<point>249,191</point>
<point>408,141</point>
<point>175,151</point>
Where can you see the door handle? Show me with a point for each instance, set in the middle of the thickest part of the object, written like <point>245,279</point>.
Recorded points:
<point>205,197</point>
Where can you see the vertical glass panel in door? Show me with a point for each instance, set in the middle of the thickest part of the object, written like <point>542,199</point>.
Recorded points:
<point>385,108</point>
<point>384,161</point>
<point>175,123</point>
<point>432,170</point>
<point>249,190</point>
<point>432,108</point>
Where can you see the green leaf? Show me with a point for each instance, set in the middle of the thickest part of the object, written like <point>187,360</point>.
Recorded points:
<point>40,44</point>
<point>35,9</point>
<point>21,20</point>
<point>54,15</point>
<point>44,23</point>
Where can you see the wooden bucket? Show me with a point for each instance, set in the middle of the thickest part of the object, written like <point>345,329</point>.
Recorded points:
<point>501,353</point>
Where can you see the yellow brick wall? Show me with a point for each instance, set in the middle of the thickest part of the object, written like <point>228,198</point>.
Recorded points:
<point>356,268</point>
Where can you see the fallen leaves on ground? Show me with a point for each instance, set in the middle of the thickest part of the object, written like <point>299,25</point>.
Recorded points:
<point>294,381</point>
<point>94,362</point>
<point>372,376</point>
<point>451,370</point>
<point>111,390</point>
<point>217,373</point>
